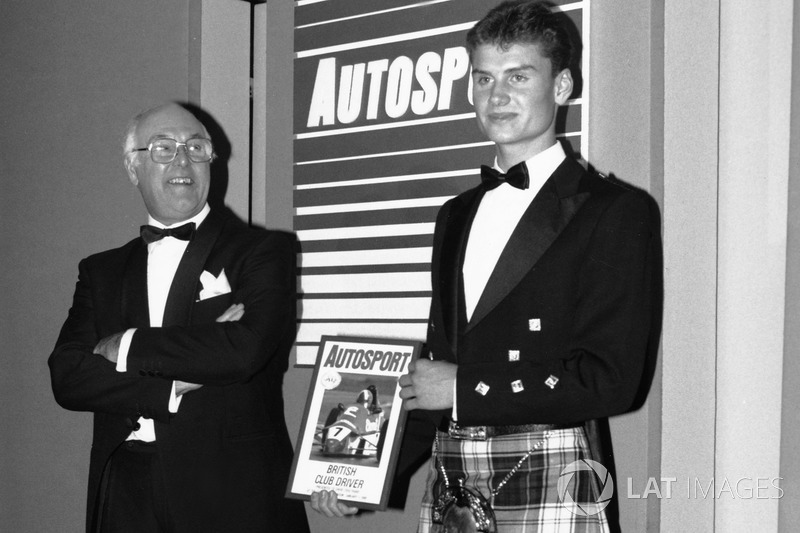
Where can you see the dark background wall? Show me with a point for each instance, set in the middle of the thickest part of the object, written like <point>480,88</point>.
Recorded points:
<point>71,75</point>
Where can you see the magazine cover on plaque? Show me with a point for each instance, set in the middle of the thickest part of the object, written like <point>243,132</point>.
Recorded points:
<point>353,422</point>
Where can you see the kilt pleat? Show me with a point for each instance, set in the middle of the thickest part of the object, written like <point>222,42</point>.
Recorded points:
<point>529,502</point>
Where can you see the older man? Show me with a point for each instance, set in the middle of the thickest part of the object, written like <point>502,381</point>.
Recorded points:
<point>177,342</point>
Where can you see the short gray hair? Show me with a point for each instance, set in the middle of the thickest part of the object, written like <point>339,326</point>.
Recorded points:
<point>129,141</point>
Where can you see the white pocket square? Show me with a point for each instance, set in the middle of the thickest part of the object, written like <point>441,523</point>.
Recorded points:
<point>214,286</point>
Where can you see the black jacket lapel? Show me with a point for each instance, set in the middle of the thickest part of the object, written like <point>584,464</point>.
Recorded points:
<point>185,286</point>
<point>540,225</point>
<point>451,260</point>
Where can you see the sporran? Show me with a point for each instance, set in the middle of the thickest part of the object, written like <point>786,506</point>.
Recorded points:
<point>458,509</point>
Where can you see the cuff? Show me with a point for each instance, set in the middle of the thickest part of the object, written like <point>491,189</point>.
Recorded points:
<point>124,346</point>
<point>454,416</point>
<point>174,400</point>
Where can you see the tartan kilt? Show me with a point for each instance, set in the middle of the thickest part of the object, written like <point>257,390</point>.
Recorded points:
<point>529,501</point>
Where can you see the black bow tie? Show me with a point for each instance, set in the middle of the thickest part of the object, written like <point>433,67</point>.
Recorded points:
<point>152,234</point>
<point>517,176</point>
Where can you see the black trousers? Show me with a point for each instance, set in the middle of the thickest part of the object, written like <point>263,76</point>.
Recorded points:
<point>134,499</point>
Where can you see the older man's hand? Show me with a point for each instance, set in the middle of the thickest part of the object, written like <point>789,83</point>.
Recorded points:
<point>108,347</point>
<point>232,314</point>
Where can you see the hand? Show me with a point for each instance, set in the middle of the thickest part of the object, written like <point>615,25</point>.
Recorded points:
<point>428,385</point>
<point>109,347</point>
<point>232,314</point>
<point>327,502</point>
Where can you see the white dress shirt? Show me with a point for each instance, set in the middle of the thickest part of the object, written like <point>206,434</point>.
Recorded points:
<point>163,257</point>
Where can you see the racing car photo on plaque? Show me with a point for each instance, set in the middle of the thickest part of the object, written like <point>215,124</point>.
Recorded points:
<point>353,421</point>
<point>355,424</point>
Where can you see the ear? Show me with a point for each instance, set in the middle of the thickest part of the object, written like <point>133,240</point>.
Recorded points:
<point>563,86</point>
<point>130,166</point>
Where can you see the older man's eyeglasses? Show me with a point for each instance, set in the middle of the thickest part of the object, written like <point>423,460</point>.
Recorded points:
<point>199,150</point>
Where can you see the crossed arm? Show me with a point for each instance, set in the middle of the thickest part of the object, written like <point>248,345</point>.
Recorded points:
<point>109,347</point>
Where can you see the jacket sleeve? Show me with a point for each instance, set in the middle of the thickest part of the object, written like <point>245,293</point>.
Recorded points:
<point>84,381</point>
<point>220,353</point>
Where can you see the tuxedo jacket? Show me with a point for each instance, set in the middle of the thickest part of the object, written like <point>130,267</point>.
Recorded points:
<point>226,453</point>
<point>561,331</point>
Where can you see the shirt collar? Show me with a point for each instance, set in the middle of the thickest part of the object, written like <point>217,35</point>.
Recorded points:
<point>544,163</point>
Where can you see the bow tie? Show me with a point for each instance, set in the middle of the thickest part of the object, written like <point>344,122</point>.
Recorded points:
<point>517,176</point>
<point>152,234</point>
